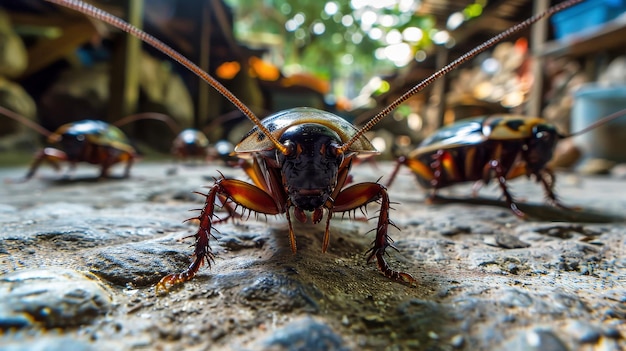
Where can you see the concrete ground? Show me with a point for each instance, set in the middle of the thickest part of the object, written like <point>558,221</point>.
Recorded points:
<point>79,260</point>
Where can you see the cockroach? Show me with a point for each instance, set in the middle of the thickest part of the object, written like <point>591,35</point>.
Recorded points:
<point>224,150</point>
<point>190,143</point>
<point>193,143</point>
<point>479,149</point>
<point>298,160</point>
<point>90,141</point>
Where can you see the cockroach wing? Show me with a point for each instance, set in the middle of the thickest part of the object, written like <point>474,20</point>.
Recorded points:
<point>466,132</point>
<point>510,127</point>
<point>256,141</point>
<point>97,132</point>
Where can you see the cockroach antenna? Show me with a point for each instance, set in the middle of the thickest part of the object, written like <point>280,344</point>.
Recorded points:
<point>117,22</point>
<point>298,160</point>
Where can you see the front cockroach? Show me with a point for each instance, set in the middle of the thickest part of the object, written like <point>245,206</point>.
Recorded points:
<point>298,160</point>
<point>89,141</point>
<point>483,148</point>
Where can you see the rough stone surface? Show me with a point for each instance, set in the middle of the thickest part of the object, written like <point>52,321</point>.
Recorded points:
<point>487,280</point>
<point>52,297</point>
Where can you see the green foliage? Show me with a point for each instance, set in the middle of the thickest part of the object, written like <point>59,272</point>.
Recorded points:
<point>326,38</point>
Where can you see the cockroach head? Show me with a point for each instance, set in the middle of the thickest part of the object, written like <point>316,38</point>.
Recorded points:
<point>311,164</point>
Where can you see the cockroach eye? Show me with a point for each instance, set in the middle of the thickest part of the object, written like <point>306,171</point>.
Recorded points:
<point>290,147</point>
<point>332,150</point>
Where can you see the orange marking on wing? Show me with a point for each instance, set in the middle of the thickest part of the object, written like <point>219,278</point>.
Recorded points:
<point>421,169</point>
<point>450,166</point>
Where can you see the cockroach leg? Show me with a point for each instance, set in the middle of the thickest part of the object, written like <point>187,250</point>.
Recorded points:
<point>359,195</point>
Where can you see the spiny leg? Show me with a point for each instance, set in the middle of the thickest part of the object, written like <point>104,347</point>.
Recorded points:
<point>436,180</point>
<point>360,195</point>
<point>548,186</point>
<point>437,167</point>
<point>292,236</point>
<point>242,194</point>
<point>109,157</point>
<point>496,166</point>
<point>399,162</point>
<point>431,173</point>
<point>202,250</point>
<point>104,169</point>
<point>50,155</point>
<point>232,211</point>
<point>129,163</point>
<point>476,186</point>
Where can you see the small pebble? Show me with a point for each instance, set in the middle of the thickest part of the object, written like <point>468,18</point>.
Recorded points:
<point>345,321</point>
<point>510,242</point>
<point>54,297</point>
<point>535,340</point>
<point>306,334</point>
<point>583,332</point>
<point>457,341</point>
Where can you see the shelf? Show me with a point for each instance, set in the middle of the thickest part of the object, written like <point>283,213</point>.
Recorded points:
<point>608,36</point>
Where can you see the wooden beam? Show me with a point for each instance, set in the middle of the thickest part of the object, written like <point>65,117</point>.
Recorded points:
<point>538,35</point>
<point>609,36</point>
<point>124,84</point>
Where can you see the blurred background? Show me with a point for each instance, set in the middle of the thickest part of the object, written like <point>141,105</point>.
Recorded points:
<point>351,58</point>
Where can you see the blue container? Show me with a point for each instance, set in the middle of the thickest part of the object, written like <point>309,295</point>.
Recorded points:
<point>592,103</point>
<point>586,16</point>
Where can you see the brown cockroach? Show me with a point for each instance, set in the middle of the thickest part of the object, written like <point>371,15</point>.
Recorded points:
<point>298,160</point>
<point>86,141</point>
<point>479,149</point>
